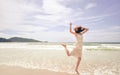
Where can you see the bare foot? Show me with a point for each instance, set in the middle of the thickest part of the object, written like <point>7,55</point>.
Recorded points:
<point>64,45</point>
<point>77,72</point>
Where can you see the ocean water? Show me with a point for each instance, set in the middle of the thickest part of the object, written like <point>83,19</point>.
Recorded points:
<point>102,59</point>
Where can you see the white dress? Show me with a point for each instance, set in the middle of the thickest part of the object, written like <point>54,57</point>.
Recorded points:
<point>77,50</point>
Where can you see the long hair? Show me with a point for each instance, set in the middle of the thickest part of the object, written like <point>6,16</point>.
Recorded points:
<point>79,29</point>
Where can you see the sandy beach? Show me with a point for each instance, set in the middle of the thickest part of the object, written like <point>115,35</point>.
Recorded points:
<point>47,59</point>
<point>9,70</point>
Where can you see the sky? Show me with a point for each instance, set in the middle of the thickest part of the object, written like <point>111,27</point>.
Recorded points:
<point>48,20</point>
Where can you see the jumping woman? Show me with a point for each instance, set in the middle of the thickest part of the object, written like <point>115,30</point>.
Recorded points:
<point>77,50</point>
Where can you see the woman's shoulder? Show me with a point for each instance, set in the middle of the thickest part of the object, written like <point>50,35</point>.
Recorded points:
<point>79,35</point>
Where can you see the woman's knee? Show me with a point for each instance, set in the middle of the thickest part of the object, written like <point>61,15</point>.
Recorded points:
<point>79,58</point>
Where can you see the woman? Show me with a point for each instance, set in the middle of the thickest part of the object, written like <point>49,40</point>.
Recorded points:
<point>77,50</point>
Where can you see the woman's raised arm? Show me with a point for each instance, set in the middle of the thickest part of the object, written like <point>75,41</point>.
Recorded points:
<point>85,30</point>
<point>71,29</point>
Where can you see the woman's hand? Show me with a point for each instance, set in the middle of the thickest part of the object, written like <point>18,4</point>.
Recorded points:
<point>85,30</point>
<point>70,23</point>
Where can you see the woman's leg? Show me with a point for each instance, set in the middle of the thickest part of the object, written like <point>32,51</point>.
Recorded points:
<point>77,65</point>
<point>66,50</point>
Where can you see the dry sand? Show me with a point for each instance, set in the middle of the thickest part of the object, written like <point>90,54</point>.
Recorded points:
<point>9,70</point>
